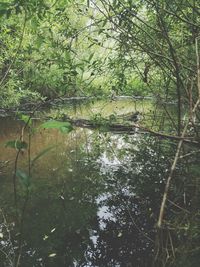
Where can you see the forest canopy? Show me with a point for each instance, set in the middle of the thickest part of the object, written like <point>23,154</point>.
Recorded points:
<point>81,48</point>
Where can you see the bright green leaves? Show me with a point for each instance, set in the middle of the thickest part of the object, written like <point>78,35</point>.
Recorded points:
<point>25,118</point>
<point>63,127</point>
<point>31,7</point>
<point>17,144</point>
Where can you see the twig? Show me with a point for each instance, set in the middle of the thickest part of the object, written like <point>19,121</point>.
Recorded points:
<point>177,206</point>
<point>189,154</point>
<point>160,219</point>
<point>161,214</point>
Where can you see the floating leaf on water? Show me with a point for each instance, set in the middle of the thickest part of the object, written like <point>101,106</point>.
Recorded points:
<point>52,255</point>
<point>119,235</point>
<point>45,237</point>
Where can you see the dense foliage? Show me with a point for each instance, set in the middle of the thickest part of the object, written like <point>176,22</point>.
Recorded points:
<point>54,50</point>
<point>72,48</point>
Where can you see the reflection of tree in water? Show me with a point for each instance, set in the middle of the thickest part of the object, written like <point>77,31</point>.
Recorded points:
<point>125,238</point>
<point>109,219</point>
<point>102,218</point>
<point>135,191</point>
<point>104,211</point>
<point>126,232</point>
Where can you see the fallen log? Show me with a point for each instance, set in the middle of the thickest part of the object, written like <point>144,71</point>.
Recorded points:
<point>128,129</point>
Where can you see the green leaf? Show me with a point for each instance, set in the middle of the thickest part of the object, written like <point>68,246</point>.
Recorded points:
<point>64,127</point>
<point>16,144</point>
<point>40,40</point>
<point>26,119</point>
<point>90,57</point>
<point>24,178</point>
<point>104,23</point>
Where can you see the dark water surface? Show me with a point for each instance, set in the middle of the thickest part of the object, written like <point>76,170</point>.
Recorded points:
<point>94,197</point>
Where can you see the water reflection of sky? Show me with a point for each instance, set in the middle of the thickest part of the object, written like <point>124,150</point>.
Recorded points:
<point>100,191</point>
<point>72,163</point>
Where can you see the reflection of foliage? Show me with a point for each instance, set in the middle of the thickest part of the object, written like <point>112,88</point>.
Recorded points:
<point>101,204</point>
<point>125,236</point>
<point>71,206</point>
<point>7,253</point>
<point>135,189</point>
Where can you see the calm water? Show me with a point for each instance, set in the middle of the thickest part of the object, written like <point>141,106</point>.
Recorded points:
<point>94,197</point>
